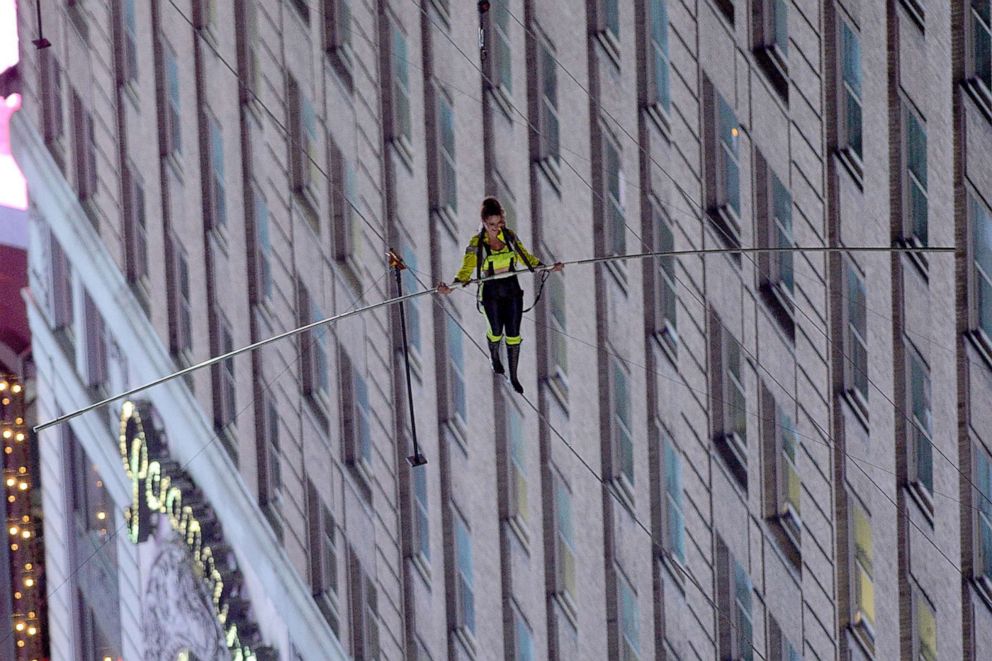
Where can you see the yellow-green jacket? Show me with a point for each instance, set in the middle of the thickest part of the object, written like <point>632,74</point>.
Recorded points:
<point>493,260</point>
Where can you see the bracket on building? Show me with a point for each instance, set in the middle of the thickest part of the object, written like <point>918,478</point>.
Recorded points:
<point>397,265</point>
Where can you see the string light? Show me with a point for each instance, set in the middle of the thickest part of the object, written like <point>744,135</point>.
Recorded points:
<point>29,582</point>
<point>14,547</point>
<point>7,433</point>
<point>17,595</point>
<point>26,534</point>
<point>16,389</point>
<point>32,631</point>
<point>11,498</point>
<point>22,470</point>
<point>23,486</point>
<point>11,481</point>
<point>3,385</point>
<point>8,449</point>
<point>25,518</point>
<point>19,626</point>
<point>13,530</point>
<point>19,436</point>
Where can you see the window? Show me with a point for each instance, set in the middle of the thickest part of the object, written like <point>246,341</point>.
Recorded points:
<point>357,420</point>
<point>224,379</point>
<point>981,267</point>
<point>914,177</point>
<point>726,7</point>
<point>728,171</point>
<point>780,648</point>
<point>849,135</point>
<point>323,556</point>
<point>729,399</point>
<point>623,441</point>
<point>84,147</point>
<point>181,314</point>
<point>92,509</point>
<point>616,224</point>
<point>422,537</point>
<point>983,518</point>
<point>263,249</point>
<point>464,597</point>
<point>630,638</point>
<point>920,446</point>
<point>51,106</point>
<point>518,464</point>
<point>855,339</point>
<point>771,42</point>
<point>269,457</point>
<point>548,148</point>
<point>523,643</point>
<point>218,203</point>
<point>135,227</point>
<point>401,87</point>
<point>457,405</point>
<point>337,36</point>
<point>173,123</point>
<point>303,128</point>
<point>313,348</point>
<point>60,302</point>
<point>665,297</point>
<point>863,606</point>
<point>674,517</point>
<point>660,93</point>
<point>248,63</point>
<point>302,10</point>
<point>784,486</point>
<point>608,24</point>
<point>733,597</point>
<point>557,342</point>
<point>96,344</point>
<point>777,232</point>
<point>130,60</point>
<point>979,62</point>
<point>447,199</point>
<point>924,627</point>
<point>502,63</point>
<point>565,578</point>
<point>345,232</point>
<point>365,614</point>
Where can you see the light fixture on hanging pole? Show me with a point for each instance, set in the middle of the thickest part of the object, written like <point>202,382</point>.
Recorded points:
<point>40,42</point>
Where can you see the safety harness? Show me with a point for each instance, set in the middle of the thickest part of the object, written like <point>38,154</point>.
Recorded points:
<point>511,240</point>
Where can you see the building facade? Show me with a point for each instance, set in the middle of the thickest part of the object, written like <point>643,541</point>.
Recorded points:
<point>743,455</point>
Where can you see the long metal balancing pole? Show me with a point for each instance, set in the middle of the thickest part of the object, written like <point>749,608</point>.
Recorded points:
<point>396,263</point>
<point>432,290</point>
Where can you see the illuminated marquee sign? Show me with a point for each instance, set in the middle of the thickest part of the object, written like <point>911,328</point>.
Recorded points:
<point>160,487</point>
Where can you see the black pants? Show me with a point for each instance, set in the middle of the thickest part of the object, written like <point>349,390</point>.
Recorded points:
<point>503,301</point>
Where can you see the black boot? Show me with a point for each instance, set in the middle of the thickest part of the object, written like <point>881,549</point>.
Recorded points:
<point>513,354</point>
<point>494,354</point>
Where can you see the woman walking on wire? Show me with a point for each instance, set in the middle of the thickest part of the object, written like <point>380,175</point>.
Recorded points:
<point>497,249</point>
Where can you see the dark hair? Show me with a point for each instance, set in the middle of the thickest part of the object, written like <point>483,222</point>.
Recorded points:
<point>491,207</point>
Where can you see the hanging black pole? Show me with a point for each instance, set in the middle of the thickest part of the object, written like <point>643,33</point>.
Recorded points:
<point>483,8</point>
<point>395,263</point>
<point>40,42</point>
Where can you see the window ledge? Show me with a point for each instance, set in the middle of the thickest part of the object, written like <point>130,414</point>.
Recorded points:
<point>611,46</point>
<point>981,95</point>
<point>853,165</point>
<point>467,640</point>
<point>923,498</point>
<point>782,305</point>
<point>675,569</point>
<point>440,6</point>
<point>503,100</point>
<point>567,607</point>
<point>916,12</point>
<point>519,528</point>
<point>727,225</point>
<point>552,170</point>
<point>668,339</point>
<point>661,119</point>
<point>982,344</point>
<point>862,633</point>
<point>776,69</point>
<point>423,568</point>
<point>983,587</point>
<point>401,145</point>
<point>733,451</point>
<point>618,270</point>
<point>624,492</point>
<point>858,406</point>
<point>457,429</point>
<point>789,543</point>
<point>448,221</point>
<point>919,259</point>
<point>558,385</point>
